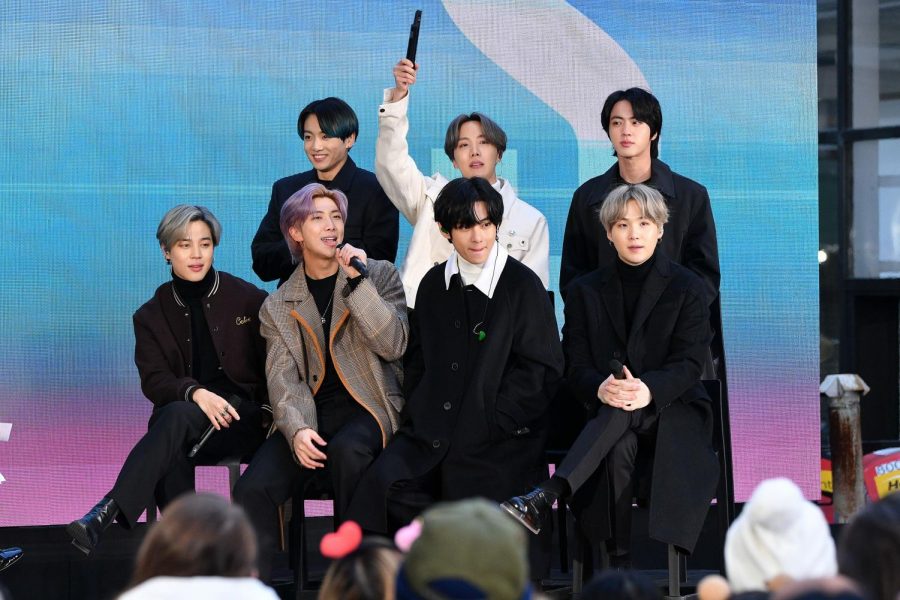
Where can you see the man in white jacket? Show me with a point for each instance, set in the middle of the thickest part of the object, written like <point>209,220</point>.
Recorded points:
<point>475,144</point>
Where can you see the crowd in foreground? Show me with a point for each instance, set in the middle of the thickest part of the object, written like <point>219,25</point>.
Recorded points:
<point>779,547</point>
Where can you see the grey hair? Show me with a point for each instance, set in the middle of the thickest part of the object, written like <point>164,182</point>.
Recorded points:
<point>176,221</point>
<point>651,202</point>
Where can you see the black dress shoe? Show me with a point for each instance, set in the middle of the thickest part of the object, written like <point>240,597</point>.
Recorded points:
<point>86,531</point>
<point>532,509</point>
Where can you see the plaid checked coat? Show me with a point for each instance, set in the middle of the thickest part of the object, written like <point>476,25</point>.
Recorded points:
<point>369,333</point>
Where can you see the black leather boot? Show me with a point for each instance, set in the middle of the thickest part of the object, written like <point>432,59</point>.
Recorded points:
<point>532,509</point>
<point>86,531</point>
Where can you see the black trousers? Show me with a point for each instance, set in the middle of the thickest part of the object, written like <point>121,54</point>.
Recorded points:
<point>408,498</point>
<point>158,466</point>
<point>610,440</point>
<point>354,440</point>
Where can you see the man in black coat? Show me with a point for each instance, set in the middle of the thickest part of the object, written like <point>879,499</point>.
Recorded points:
<point>489,357</point>
<point>651,315</point>
<point>329,128</point>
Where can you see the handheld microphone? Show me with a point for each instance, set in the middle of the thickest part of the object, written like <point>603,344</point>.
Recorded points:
<point>414,38</point>
<point>617,368</point>
<point>235,401</point>
<point>356,263</point>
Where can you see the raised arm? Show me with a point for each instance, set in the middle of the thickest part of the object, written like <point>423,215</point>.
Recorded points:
<point>396,171</point>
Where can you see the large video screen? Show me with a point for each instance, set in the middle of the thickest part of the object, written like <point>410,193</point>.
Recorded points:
<point>112,112</point>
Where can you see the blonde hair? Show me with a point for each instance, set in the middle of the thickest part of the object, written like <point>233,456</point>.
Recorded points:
<point>651,202</point>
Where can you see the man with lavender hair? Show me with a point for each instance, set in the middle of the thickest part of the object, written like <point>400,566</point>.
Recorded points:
<point>335,338</point>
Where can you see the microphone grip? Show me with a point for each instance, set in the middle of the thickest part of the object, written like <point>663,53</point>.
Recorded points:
<point>356,263</point>
<point>359,266</point>
<point>617,369</point>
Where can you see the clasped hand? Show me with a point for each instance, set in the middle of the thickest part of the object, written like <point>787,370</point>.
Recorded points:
<point>628,394</point>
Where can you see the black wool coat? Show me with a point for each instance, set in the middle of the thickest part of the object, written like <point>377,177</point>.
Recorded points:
<point>690,234</point>
<point>477,409</point>
<point>373,223</point>
<point>162,332</point>
<point>665,348</point>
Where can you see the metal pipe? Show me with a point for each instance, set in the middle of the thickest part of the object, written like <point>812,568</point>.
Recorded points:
<point>843,393</point>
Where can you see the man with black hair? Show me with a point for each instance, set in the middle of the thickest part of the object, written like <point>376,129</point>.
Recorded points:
<point>328,128</point>
<point>632,119</point>
<point>480,382</point>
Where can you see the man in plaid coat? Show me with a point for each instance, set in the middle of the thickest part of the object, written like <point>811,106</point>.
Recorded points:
<point>335,339</point>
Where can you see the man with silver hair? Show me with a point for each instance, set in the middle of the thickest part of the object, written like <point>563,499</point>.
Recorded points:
<point>645,318</point>
<point>200,357</point>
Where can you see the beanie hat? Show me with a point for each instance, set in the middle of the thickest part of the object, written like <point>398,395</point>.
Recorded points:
<point>778,533</point>
<point>467,549</point>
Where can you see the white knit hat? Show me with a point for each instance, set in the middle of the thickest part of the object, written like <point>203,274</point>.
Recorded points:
<point>778,533</point>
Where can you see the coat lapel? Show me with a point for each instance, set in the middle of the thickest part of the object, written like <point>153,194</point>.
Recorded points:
<point>299,308</point>
<point>339,311</point>
<point>612,300</point>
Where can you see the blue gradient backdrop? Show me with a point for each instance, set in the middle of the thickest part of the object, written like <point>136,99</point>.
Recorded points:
<point>112,112</point>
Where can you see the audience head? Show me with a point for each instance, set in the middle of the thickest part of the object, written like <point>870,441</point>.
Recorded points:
<point>869,548</point>
<point>198,535</point>
<point>363,568</point>
<point>642,106</point>
<point>466,549</point>
<point>621,585</point>
<point>316,214</point>
<point>778,534</point>
<point>633,216</point>
<point>187,236</point>
<point>468,212</point>
<point>475,144</point>
<point>823,588</point>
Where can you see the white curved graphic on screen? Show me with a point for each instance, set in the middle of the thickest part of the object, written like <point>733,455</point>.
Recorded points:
<point>559,55</point>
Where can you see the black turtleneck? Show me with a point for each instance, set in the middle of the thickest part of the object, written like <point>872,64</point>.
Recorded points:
<point>633,277</point>
<point>205,366</point>
<point>332,392</point>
